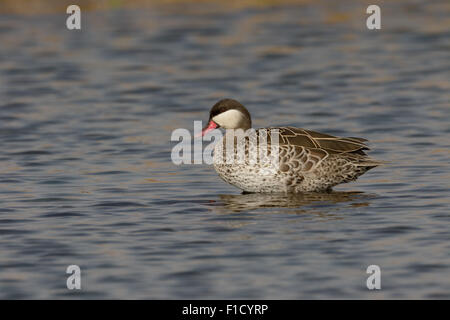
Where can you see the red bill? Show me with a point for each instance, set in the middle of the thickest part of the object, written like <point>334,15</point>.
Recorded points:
<point>210,127</point>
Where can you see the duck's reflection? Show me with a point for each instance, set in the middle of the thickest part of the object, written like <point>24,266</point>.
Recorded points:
<point>252,201</point>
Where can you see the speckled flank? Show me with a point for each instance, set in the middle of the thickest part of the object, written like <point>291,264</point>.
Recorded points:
<point>299,169</point>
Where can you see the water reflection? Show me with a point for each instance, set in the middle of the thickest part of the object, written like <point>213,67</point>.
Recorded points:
<point>253,201</point>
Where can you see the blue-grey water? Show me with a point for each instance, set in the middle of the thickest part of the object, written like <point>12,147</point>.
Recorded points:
<point>86,176</point>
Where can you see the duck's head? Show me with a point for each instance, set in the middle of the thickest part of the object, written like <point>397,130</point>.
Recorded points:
<point>228,114</point>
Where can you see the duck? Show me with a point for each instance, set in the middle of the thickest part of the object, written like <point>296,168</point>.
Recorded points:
<point>305,161</point>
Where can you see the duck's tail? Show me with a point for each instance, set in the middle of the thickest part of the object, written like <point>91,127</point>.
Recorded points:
<point>370,163</point>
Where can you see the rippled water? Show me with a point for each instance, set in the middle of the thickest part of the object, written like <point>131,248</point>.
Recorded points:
<point>86,176</point>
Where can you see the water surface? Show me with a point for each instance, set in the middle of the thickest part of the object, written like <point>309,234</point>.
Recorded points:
<point>86,176</point>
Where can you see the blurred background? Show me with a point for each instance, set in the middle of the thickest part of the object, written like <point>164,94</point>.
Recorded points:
<point>86,176</point>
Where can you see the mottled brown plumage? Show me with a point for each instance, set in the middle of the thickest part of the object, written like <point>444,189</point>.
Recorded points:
<point>307,160</point>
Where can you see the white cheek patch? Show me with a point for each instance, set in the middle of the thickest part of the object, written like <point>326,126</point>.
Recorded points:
<point>230,119</point>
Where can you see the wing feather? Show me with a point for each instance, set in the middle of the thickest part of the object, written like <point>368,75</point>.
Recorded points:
<point>312,139</point>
